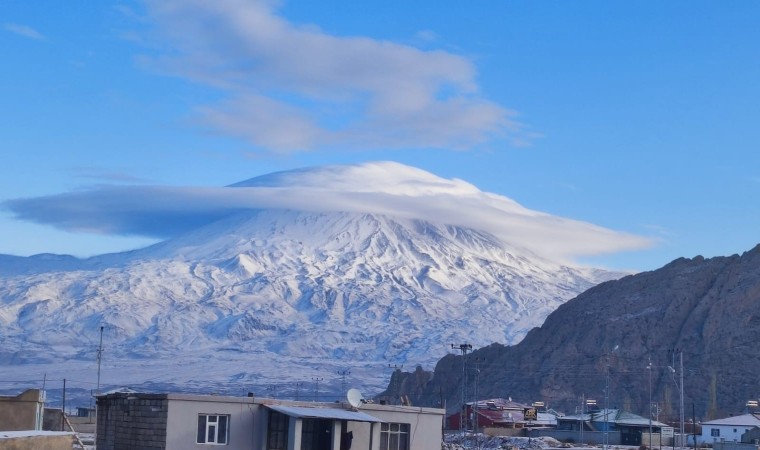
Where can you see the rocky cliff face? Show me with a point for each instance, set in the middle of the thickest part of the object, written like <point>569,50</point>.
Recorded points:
<point>708,309</point>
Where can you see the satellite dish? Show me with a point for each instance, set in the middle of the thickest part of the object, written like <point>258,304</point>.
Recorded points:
<point>355,398</point>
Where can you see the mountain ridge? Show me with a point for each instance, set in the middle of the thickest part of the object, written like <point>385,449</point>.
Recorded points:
<point>276,283</point>
<point>703,308</point>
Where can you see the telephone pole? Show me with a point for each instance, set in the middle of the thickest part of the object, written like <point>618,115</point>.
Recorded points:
<point>343,374</point>
<point>316,386</point>
<point>463,348</point>
<point>100,358</point>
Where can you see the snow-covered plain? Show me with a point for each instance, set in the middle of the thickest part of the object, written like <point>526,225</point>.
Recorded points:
<point>278,299</point>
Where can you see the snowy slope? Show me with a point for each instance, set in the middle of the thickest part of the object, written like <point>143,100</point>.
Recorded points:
<point>276,297</point>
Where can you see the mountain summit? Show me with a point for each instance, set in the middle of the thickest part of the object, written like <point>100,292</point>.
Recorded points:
<point>330,270</point>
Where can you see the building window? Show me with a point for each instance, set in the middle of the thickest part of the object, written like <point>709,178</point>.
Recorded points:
<point>316,434</point>
<point>277,431</point>
<point>213,429</point>
<point>394,436</point>
<point>715,432</point>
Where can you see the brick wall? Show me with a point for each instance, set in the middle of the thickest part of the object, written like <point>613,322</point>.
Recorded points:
<point>132,421</point>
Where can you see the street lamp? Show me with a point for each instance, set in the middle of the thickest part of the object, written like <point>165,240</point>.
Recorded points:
<point>680,391</point>
<point>649,368</point>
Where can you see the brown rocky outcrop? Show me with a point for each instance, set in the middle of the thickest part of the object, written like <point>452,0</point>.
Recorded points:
<point>709,309</point>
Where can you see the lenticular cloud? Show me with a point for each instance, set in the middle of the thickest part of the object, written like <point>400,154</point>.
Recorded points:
<point>386,188</point>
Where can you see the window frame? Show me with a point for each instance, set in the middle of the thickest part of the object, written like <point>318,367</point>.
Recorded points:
<point>278,429</point>
<point>220,422</point>
<point>714,432</point>
<point>395,436</point>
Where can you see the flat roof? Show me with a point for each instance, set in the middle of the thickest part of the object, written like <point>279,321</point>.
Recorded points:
<point>324,413</point>
<point>32,433</point>
<point>745,420</point>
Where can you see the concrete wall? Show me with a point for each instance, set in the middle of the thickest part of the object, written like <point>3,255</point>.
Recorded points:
<point>170,422</point>
<point>499,431</point>
<point>426,431</point>
<point>53,419</point>
<point>246,425</point>
<point>589,437</point>
<point>36,441</point>
<point>725,445</point>
<point>727,433</point>
<point>132,422</point>
<point>23,411</point>
<point>82,424</point>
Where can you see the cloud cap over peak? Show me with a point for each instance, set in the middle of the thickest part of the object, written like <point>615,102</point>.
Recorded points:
<point>387,188</point>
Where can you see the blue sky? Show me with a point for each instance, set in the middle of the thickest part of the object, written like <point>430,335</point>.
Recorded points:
<point>640,117</point>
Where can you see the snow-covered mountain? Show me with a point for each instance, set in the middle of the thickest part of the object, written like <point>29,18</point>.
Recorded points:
<point>277,296</point>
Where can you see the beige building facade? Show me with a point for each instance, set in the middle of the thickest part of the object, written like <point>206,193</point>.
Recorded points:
<point>22,412</point>
<point>180,421</point>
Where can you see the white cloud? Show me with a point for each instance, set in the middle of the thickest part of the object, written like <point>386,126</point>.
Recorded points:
<point>291,87</point>
<point>24,30</point>
<point>381,188</point>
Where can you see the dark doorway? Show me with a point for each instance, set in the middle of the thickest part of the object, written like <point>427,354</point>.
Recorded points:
<point>316,434</point>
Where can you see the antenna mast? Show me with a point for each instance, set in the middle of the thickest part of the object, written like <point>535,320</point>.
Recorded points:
<point>100,357</point>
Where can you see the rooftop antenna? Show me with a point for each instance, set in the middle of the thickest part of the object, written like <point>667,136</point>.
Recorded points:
<point>100,357</point>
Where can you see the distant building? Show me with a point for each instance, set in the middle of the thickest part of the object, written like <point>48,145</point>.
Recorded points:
<point>499,413</point>
<point>22,412</point>
<point>729,429</point>
<point>85,411</point>
<point>180,422</point>
<point>615,426</point>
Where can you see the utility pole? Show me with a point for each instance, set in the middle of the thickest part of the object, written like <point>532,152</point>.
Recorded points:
<point>298,389</point>
<point>464,348</point>
<point>100,357</point>
<point>583,419</point>
<point>97,390</point>
<point>63,405</point>
<point>680,392</point>
<point>606,437</point>
<point>682,411</point>
<point>343,374</point>
<point>316,386</point>
<point>477,362</point>
<point>649,368</point>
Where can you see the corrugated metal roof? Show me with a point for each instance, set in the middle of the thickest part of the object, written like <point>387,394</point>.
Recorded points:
<point>324,413</point>
<point>614,416</point>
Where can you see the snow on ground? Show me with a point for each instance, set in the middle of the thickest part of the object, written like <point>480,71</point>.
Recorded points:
<point>470,441</point>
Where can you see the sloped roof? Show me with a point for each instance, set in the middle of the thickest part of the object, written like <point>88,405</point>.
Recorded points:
<point>616,416</point>
<point>501,403</point>
<point>745,420</point>
<point>324,413</point>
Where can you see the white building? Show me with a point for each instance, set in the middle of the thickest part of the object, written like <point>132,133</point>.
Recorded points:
<point>185,422</point>
<point>728,429</point>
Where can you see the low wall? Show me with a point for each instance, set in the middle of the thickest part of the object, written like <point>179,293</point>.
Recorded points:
<point>731,445</point>
<point>36,440</point>
<point>589,437</point>
<point>83,424</point>
<point>488,431</point>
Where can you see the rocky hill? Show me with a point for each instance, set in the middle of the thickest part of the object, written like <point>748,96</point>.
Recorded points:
<point>708,309</point>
